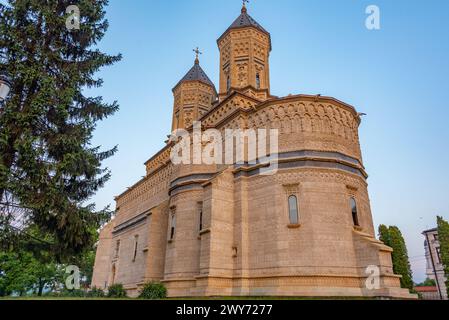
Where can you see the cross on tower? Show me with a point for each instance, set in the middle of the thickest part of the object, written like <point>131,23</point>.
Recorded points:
<point>244,6</point>
<point>198,52</point>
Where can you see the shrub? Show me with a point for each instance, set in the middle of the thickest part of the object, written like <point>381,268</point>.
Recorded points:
<point>95,293</point>
<point>153,291</point>
<point>116,291</point>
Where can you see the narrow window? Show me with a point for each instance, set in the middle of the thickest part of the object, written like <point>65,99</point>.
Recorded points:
<point>258,81</point>
<point>113,274</point>
<point>201,220</point>
<point>117,248</point>
<point>228,83</point>
<point>438,250</point>
<point>173,226</point>
<point>136,242</point>
<point>293,209</point>
<point>355,215</point>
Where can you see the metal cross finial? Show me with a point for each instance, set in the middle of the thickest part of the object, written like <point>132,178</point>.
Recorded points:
<point>244,10</point>
<point>198,52</point>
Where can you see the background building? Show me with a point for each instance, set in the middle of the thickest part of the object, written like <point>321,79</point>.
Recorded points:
<point>435,269</point>
<point>428,293</point>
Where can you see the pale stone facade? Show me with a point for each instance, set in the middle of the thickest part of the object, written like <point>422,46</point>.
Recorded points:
<point>210,230</point>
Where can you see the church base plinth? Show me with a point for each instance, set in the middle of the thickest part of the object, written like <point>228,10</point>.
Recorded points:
<point>330,286</point>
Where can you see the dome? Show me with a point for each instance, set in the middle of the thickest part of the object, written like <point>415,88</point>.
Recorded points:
<point>196,73</point>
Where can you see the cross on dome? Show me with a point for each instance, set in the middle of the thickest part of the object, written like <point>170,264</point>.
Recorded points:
<point>244,10</point>
<point>198,52</point>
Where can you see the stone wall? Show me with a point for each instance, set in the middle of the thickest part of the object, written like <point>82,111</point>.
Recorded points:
<point>247,245</point>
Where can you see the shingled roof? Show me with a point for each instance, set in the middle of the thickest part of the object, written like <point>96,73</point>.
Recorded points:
<point>196,74</point>
<point>243,21</point>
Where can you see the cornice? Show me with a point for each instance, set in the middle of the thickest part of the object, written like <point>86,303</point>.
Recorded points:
<point>229,30</point>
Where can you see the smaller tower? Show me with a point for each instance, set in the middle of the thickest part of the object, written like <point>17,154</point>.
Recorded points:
<point>244,58</point>
<point>193,96</point>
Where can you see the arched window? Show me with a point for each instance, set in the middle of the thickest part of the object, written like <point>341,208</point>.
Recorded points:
<point>258,81</point>
<point>117,249</point>
<point>136,243</point>
<point>173,226</point>
<point>177,120</point>
<point>293,209</point>
<point>355,214</point>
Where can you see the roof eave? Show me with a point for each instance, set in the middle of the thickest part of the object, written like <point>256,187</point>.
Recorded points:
<point>187,81</point>
<point>244,27</point>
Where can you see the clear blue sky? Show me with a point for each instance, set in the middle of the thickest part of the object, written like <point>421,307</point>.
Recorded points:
<point>397,75</point>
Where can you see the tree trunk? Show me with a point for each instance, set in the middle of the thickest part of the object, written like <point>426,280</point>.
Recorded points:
<point>41,288</point>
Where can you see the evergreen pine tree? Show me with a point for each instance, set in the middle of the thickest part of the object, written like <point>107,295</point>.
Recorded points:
<point>47,162</point>
<point>401,264</point>
<point>383,234</point>
<point>443,239</point>
<point>393,238</point>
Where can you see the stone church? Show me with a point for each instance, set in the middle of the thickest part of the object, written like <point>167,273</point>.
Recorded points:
<point>227,230</point>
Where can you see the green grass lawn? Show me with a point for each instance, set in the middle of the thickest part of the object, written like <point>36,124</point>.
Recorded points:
<point>192,299</point>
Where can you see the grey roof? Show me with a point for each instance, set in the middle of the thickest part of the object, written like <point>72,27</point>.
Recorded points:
<point>196,74</point>
<point>430,230</point>
<point>245,20</point>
